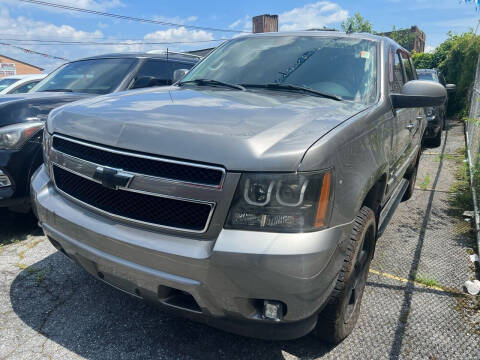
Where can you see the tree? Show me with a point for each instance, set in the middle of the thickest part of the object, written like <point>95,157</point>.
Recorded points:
<point>424,60</point>
<point>357,23</point>
<point>457,58</point>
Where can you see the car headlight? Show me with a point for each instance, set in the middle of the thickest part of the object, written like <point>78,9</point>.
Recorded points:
<point>298,202</point>
<point>16,135</point>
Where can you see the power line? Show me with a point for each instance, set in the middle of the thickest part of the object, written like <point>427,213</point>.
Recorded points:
<point>124,17</point>
<point>63,42</point>
<point>29,51</point>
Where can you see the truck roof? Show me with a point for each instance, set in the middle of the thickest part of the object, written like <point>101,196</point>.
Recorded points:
<point>138,55</point>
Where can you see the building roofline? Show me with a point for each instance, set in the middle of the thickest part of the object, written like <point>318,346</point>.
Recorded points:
<point>23,62</point>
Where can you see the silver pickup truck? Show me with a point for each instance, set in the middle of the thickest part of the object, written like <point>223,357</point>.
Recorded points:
<point>250,194</point>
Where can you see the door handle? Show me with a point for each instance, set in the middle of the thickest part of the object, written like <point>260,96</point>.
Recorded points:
<point>411,126</point>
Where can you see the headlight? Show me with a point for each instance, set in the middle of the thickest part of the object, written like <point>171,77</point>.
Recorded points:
<point>14,136</point>
<point>282,202</point>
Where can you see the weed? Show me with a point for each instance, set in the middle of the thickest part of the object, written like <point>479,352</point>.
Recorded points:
<point>427,281</point>
<point>425,182</point>
<point>22,266</point>
<point>40,277</point>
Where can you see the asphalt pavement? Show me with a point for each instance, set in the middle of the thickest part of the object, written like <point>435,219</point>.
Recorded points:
<point>414,306</point>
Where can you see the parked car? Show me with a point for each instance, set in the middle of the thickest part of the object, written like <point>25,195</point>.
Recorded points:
<point>436,115</point>
<point>250,194</point>
<point>19,84</point>
<point>22,116</point>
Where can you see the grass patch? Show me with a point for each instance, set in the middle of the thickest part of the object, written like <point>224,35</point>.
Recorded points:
<point>448,157</point>
<point>31,270</point>
<point>427,281</point>
<point>425,182</point>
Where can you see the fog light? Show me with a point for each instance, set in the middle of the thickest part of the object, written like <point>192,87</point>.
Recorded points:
<point>273,310</point>
<point>4,180</point>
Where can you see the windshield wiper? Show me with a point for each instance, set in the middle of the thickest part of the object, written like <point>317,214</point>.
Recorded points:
<point>208,82</point>
<point>290,87</point>
<point>57,90</point>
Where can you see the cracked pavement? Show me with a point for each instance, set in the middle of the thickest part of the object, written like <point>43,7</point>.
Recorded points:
<point>52,309</point>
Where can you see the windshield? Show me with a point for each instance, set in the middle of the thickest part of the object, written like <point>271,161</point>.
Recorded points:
<point>427,76</point>
<point>4,83</point>
<point>344,67</point>
<point>96,76</point>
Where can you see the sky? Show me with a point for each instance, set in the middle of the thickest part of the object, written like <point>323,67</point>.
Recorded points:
<point>22,23</point>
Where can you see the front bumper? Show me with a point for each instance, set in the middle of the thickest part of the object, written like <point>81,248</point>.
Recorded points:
<point>222,282</point>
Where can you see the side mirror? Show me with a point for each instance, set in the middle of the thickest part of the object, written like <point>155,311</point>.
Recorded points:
<point>418,94</point>
<point>451,88</point>
<point>143,82</point>
<point>179,74</point>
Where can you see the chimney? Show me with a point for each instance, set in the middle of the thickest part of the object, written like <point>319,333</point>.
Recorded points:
<point>265,23</point>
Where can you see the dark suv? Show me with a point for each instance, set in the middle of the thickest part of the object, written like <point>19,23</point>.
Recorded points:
<point>250,194</point>
<point>22,116</point>
<point>436,115</point>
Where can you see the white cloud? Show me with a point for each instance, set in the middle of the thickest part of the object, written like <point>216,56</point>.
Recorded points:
<point>179,34</point>
<point>430,48</point>
<point>315,15</point>
<point>25,28</point>
<point>245,23</point>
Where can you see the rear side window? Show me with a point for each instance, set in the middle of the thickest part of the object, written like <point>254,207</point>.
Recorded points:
<point>407,65</point>
<point>25,88</point>
<point>161,72</point>
<point>396,73</point>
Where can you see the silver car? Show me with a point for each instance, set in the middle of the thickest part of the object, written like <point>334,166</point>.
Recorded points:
<point>250,194</point>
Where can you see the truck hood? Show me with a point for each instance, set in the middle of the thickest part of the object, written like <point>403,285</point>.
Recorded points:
<point>17,108</point>
<point>240,130</point>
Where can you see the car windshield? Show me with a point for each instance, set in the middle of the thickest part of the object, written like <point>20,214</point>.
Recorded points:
<point>4,83</point>
<point>96,76</point>
<point>339,66</point>
<point>429,76</point>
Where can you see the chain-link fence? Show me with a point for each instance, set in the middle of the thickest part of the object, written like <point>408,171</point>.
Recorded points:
<point>473,146</point>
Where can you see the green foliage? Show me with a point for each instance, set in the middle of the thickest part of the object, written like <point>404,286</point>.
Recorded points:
<point>424,60</point>
<point>459,65</point>
<point>357,23</point>
<point>457,58</point>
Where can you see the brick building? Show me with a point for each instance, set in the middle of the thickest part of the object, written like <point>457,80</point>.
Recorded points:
<point>10,66</point>
<point>416,38</point>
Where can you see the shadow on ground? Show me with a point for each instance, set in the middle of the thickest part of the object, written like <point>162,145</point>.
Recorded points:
<point>96,321</point>
<point>17,227</point>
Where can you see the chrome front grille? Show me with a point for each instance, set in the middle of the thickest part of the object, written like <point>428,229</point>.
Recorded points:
<point>178,202</point>
<point>174,170</point>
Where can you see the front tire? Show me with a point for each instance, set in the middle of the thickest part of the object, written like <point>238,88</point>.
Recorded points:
<point>337,320</point>
<point>412,178</point>
<point>437,140</point>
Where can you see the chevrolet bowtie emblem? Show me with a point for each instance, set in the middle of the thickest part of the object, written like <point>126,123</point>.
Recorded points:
<point>111,178</point>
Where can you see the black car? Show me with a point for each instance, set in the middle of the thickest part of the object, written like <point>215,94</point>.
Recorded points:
<point>436,116</point>
<point>22,116</point>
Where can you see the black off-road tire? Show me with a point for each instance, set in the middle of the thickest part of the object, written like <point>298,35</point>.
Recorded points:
<point>337,320</point>
<point>411,176</point>
<point>437,140</point>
